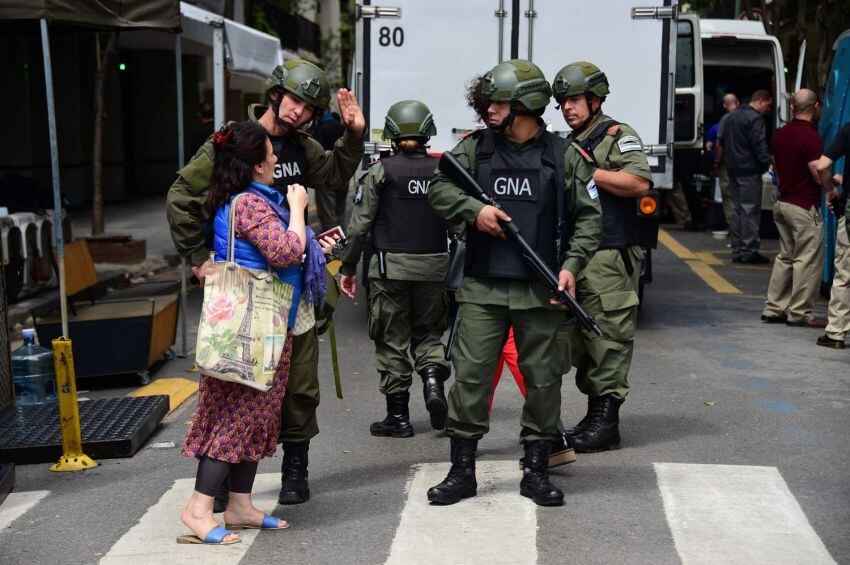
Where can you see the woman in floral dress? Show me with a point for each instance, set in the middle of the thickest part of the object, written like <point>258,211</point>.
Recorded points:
<point>234,425</point>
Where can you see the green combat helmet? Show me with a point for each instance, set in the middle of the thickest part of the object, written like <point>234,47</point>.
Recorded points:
<point>517,80</point>
<point>303,79</point>
<point>409,119</point>
<point>578,78</point>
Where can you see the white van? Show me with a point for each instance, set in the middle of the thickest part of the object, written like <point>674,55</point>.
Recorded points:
<point>736,56</point>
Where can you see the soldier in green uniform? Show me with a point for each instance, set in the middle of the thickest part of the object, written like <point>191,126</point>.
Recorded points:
<point>407,298</point>
<point>543,185</point>
<point>296,91</point>
<point>607,288</point>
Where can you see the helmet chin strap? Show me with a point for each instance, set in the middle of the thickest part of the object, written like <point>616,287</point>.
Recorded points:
<point>506,123</point>
<point>516,110</point>
<point>591,115</point>
<point>287,127</point>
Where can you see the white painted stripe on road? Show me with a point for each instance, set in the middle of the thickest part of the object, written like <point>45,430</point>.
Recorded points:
<point>17,503</point>
<point>736,514</point>
<point>153,539</point>
<point>497,526</point>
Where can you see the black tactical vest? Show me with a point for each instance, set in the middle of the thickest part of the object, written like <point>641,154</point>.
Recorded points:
<point>291,166</point>
<point>529,185</point>
<point>405,222</point>
<point>619,214</point>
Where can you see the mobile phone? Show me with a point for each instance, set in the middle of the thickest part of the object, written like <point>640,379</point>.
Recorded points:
<point>333,233</point>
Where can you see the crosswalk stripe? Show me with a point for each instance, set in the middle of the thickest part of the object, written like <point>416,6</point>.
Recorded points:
<point>736,514</point>
<point>17,503</point>
<point>153,539</point>
<point>497,526</point>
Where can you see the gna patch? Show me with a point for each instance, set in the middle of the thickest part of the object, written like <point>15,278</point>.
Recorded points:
<point>286,170</point>
<point>413,187</point>
<point>515,184</point>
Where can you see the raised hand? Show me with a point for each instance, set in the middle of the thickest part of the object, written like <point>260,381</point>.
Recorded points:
<point>350,112</point>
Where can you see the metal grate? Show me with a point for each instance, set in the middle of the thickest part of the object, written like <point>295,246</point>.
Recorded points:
<point>114,427</point>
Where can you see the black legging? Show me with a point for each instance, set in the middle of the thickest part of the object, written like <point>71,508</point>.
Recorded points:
<point>212,472</point>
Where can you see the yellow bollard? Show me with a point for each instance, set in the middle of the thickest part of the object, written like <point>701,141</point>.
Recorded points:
<point>73,458</point>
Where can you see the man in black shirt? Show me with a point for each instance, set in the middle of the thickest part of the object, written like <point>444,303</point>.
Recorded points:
<point>838,313</point>
<point>746,156</point>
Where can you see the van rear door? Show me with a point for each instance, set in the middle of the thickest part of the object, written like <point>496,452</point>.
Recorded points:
<point>689,129</point>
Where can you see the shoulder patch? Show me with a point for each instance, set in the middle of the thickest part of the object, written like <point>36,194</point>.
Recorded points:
<point>358,194</point>
<point>591,189</point>
<point>629,143</point>
<point>614,129</point>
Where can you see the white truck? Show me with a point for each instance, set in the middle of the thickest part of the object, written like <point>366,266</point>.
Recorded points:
<point>431,50</point>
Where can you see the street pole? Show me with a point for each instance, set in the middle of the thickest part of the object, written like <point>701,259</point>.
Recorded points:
<point>73,458</point>
<point>178,63</point>
<point>54,168</point>
<point>218,74</point>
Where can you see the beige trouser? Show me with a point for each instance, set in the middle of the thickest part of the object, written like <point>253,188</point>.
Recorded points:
<point>839,301</point>
<point>795,279</point>
<point>679,204</point>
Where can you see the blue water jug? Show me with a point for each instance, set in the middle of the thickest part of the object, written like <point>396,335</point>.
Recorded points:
<point>33,373</point>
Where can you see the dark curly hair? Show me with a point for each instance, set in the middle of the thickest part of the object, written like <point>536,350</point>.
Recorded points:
<point>475,97</point>
<point>238,147</point>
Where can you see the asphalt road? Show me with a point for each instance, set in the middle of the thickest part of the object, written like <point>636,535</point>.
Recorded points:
<point>757,412</point>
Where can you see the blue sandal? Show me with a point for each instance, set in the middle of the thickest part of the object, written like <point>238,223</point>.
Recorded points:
<point>269,523</point>
<point>214,537</point>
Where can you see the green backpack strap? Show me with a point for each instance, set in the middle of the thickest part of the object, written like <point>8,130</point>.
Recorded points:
<point>334,358</point>
<point>332,295</point>
<point>325,321</point>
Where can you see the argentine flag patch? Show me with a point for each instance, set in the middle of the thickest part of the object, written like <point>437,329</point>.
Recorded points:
<point>629,143</point>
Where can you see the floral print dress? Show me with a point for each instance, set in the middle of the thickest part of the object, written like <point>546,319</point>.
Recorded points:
<point>234,422</point>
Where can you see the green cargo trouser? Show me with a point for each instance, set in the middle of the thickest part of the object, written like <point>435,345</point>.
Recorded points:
<point>541,337</point>
<point>608,293</point>
<point>406,316</point>
<point>298,416</point>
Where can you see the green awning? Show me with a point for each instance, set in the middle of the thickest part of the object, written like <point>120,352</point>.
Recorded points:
<point>99,14</point>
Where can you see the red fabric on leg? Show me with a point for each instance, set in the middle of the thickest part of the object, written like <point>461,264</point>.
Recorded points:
<point>509,356</point>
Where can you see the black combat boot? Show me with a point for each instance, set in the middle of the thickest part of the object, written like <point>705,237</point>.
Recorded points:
<point>460,482</point>
<point>433,377</point>
<point>562,453</point>
<point>601,432</point>
<point>295,489</point>
<point>397,422</point>
<point>578,428</point>
<point>535,478</point>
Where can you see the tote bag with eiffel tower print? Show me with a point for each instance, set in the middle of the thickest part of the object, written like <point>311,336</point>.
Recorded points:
<point>243,322</point>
